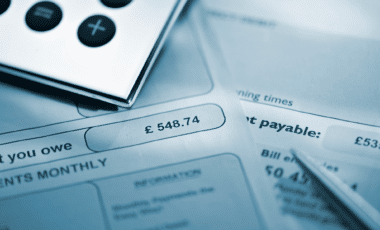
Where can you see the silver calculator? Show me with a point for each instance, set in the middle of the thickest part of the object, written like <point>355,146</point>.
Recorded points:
<point>102,49</point>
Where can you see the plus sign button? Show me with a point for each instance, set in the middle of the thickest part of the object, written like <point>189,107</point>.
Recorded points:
<point>96,31</point>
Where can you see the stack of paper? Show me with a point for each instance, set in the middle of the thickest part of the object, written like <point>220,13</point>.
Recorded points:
<point>190,154</point>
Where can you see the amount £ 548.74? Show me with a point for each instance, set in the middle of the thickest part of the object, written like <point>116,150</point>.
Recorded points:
<point>367,142</point>
<point>187,121</point>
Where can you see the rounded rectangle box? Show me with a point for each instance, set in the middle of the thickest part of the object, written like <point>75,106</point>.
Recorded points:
<point>155,127</point>
<point>344,139</point>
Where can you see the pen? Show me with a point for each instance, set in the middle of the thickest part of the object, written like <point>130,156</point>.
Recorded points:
<point>356,212</point>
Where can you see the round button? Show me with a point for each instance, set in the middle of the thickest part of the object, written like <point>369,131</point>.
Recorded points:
<point>4,5</point>
<point>115,3</point>
<point>43,16</point>
<point>96,31</point>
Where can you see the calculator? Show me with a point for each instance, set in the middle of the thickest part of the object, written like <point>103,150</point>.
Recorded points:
<point>102,49</point>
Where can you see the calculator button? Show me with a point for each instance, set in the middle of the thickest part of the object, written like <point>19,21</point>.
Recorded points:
<point>4,4</point>
<point>116,3</point>
<point>96,31</point>
<point>43,16</point>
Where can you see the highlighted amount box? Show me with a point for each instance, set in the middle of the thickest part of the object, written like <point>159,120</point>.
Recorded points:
<point>155,127</point>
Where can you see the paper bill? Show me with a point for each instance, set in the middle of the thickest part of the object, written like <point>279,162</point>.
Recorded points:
<point>306,81</point>
<point>179,159</point>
